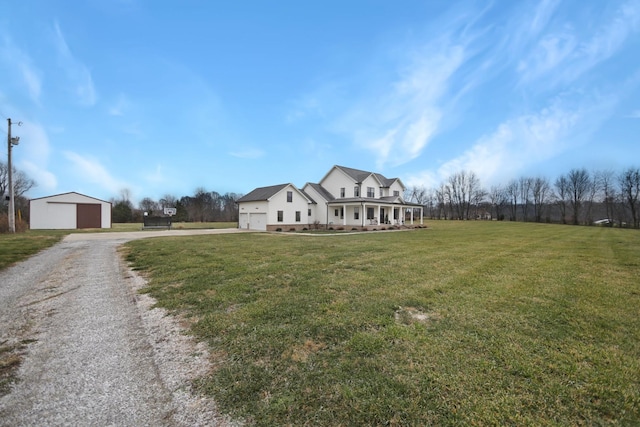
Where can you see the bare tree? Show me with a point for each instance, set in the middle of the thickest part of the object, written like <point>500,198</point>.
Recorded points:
<point>540,192</point>
<point>562,195</point>
<point>629,181</point>
<point>524,189</point>
<point>417,194</point>
<point>21,182</point>
<point>498,199</point>
<point>167,201</point>
<point>578,186</point>
<point>608,193</point>
<point>149,206</point>
<point>478,198</point>
<point>511,191</point>
<point>593,190</point>
<point>462,185</point>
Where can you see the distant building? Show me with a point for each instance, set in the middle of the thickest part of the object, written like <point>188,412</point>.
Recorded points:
<point>69,211</point>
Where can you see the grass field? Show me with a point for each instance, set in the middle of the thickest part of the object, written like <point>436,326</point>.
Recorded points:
<point>19,246</point>
<point>464,323</point>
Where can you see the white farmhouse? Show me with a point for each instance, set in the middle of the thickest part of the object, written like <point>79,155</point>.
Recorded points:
<point>345,198</point>
<point>69,211</point>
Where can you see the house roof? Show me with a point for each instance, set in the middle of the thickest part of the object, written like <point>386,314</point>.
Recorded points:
<point>265,193</point>
<point>262,193</point>
<point>392,200</point>
<point>321,190</point>
<point>71,192</point>
<point>360,175</point>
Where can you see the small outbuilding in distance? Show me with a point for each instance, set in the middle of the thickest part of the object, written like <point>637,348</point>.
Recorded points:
<point>69,211</point>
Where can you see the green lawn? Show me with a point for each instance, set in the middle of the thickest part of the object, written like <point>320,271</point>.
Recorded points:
<point>464,323</point>
<point>19,246</point>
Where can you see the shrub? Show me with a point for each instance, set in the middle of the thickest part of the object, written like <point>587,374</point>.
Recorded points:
<point>21,226</point>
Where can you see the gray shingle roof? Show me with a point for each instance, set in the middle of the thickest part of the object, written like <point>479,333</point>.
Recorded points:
<point>262,193</point>
<point>360,175</point>
<point>322,191</point>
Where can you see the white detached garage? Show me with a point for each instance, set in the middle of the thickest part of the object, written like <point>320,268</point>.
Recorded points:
<point>69,211</point>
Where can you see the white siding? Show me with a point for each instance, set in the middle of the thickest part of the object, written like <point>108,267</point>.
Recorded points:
<point>252,215</point>
<point>396,186</point>
<point>337,179</point>
<point>319,209</point>
<point>278,202</point>
<point>373,183</point>
<point>52,216</point>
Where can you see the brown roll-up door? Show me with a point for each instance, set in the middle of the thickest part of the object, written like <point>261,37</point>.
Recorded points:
<point>89,215</point>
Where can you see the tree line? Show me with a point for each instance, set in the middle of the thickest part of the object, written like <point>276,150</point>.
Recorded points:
<point>21,184</point>
<point>202,206</point>
<point>576,197</point>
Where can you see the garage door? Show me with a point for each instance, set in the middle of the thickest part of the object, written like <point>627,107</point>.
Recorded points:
<point>258,221</point>
<point>88,215</point>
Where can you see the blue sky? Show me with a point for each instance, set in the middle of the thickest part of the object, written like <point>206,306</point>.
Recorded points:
<point>162,97</point>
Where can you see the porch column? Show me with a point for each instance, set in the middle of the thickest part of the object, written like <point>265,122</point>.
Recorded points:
<point>380,220</point>
<point>421,214</point>
<point>363,214</point>
<point>344,215</point>
<point>411,216</point>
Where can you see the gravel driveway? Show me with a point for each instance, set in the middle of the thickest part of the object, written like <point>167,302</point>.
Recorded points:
<point>96,352</point>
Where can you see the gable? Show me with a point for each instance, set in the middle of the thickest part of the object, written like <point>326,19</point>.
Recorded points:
<point>70,197</point>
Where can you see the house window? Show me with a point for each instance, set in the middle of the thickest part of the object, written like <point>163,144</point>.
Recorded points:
<point>336,212</point>
<point>342,192</point>
<point>371,192</point>
<point>297,216</point>
<point>356,191</point>
<point>289,196</point>
<point>370,213</point>
<point>356,213</point>
<point>396,193</point>
<point>280,216</point>
<point>309,212</point>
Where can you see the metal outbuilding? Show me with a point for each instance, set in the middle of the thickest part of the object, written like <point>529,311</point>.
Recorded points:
<point>69,211</point>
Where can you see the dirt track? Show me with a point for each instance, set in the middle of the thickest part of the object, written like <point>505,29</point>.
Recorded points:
<point>95,353</point>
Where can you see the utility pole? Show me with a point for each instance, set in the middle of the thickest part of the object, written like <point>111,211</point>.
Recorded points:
<point>12,205</point>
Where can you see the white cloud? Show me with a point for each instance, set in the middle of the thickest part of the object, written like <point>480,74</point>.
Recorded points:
<point>17,59</point>
<point>560,57</point>
<point>157,176</point>
<point>398,123</point>
<point>43,178</point>
<point>120,106</point>
<point>32,154</point>
<point>248,153</point>
<point>526,140</point>
<point>78,74</point>
<point>91,170</point>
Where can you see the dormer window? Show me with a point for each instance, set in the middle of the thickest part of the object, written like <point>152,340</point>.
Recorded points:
<point>289,196</point>
<point>371,192</point>
<point>342,192</point>
<point>356,191</point>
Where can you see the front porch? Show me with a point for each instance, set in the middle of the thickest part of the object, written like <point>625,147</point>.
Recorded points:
<point>367,213</point>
